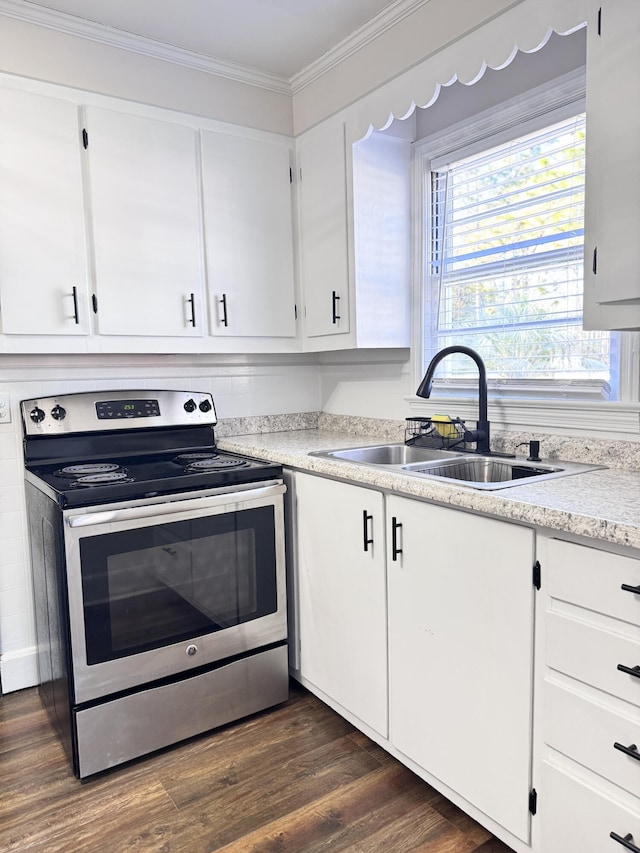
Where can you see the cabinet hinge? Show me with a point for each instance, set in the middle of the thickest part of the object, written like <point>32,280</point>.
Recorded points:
<point>85,138</point>
<point>533,801</point>
<point>536,574</point>
<point>600,21</point>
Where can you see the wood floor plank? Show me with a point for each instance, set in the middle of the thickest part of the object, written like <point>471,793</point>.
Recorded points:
<point>313,826</point>
<point>256,746</point>
<point>295,778</point>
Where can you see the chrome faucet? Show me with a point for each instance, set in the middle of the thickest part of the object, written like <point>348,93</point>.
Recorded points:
<point>481,434</point>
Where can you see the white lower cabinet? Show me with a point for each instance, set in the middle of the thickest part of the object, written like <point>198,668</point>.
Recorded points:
<point>589,709</point>
<point>459,627</point>
<point>460,653</point>
<point>342,596</point>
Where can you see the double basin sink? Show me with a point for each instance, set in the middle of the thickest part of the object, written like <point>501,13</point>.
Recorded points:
<point>467,469</point>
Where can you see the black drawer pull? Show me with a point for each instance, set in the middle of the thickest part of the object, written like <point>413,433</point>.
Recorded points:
<point>628,588</point>
<point>631,750</point>
<point>395,551</point>
<point>366,518</point>
<point>630,670</point>
<point>627,841</point>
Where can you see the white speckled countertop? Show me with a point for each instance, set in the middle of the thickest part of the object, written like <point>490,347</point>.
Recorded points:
<point>602,505</point>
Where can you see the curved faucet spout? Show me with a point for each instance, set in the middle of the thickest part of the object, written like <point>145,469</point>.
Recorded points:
<point>426,386</point>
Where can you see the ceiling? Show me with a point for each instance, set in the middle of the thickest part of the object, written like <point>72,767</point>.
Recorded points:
<point>279,37</point>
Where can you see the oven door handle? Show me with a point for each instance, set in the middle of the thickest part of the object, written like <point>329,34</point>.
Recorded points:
<point>175,507</point>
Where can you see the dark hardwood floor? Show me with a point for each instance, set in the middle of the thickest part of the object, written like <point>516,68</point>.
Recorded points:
<point>295,779</point>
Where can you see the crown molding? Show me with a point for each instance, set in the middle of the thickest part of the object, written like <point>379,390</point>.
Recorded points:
<point>32,13</point>
<point>383,21</point>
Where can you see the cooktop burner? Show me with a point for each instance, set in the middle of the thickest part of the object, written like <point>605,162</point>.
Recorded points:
<point>104,479</point>
<point>215,463</point>
<point>88,468</point>
<point>186,458</point>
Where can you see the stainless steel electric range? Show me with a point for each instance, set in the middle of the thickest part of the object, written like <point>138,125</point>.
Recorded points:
<point>159,572</point>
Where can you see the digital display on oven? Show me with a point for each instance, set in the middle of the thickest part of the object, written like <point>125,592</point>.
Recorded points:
<point>113,410</point>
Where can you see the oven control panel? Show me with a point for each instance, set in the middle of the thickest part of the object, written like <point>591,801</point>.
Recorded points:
<point>92,411</point>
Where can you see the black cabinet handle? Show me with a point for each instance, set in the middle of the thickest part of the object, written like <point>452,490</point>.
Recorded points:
<point>76,316</point>
<point>630,670</point>
<point>395,527</point>
<point>192,301</point>
<point>335,299</point>
<point>628,588</point>
<point>94,303</point>
<point>631,750</point>
<point>366,540</point>
<point>627,841</point>
<point>223,302</point>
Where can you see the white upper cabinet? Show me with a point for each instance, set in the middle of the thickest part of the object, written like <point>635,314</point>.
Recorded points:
<point>146,223</point>
<point>323,230</point>
<point>354,230</point>
<point>612,247</point>
<point>43,269</point>
<point>248,236</point>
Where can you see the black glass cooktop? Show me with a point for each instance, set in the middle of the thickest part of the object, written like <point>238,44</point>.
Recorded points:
<point>90,481</point>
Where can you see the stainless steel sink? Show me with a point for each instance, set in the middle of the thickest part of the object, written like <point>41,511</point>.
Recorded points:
<point>385,454</point>
<point>487,472</point>
<point>479,472</point>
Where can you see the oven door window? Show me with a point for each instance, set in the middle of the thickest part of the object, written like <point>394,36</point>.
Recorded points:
<point>153,586</point>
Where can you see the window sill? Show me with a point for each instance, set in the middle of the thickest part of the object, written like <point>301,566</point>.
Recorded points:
<point>597,418</point>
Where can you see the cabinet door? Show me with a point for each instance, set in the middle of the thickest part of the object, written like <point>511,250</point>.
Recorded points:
<point>145,207</point>
<point>43,269</point>
<point>341,588</point>
<point>612,283</point>
<point>248,236</point>
<point>461,655</point>
<point>323,230</point>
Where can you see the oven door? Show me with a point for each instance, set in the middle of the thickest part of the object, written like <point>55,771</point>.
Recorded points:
<point>162,587</point>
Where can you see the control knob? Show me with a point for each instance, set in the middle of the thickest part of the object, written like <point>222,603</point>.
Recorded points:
<point>58,413</point>
<point>37,415</point>
<point>190,406</point>
<point>205,406</point>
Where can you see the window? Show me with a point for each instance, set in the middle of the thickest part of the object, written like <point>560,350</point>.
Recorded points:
<point>503,216</point>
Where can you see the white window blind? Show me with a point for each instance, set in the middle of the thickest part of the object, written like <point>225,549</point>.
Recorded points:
<point>506,256</point>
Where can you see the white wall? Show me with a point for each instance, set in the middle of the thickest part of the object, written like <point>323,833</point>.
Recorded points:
<point>39,53</point>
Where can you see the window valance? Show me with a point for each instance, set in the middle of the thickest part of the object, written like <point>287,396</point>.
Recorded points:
<point>526,26</point>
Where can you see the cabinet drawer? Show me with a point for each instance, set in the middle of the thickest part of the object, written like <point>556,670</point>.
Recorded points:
<point>593,579</point>
<point>586,732</point>
<point>575,817</point>
<point>592,655</point>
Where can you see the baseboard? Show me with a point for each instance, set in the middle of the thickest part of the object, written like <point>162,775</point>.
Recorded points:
<point>19,669</point>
